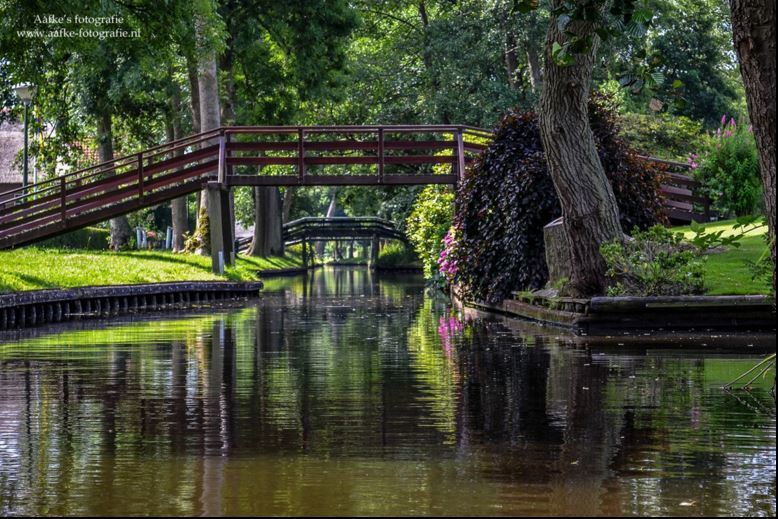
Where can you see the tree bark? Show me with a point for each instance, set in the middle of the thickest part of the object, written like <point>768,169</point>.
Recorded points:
<point>511,62</point>
<point>194,93</point>
<point>208,93</point>
<point>535,70</point>
<point>268,239</point>
<point>588,205</point>
<point>289,193</point>
<point>178,206</point>
<point>120,227</point>
<point>753,31</point>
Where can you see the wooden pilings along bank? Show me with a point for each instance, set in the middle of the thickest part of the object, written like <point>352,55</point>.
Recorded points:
<point>34,308</point>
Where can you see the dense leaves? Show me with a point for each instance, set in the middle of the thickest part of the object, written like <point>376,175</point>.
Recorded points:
<point>728,167</point>
<point>656,262</point>
<point>507,197</point>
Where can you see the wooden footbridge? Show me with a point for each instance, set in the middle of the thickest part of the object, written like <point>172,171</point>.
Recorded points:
<point>238,156</point>
<point>310,230</point>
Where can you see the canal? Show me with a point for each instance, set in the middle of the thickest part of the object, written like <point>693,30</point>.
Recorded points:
<point>350,392</point>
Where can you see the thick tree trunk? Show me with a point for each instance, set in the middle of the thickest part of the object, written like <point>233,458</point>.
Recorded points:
<point>208,92</point>
<point>511,63</point>
<point>207,80</point>
<point>535,70</point>
<point>120,227</point>
<point>268,240</point>
<point>588,205</point>
<point>753,28</point>
<point>289,193</point>
<point>194,94</point>
<point>178,206</point>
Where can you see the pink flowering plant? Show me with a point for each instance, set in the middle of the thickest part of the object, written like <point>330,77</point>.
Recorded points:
<point>447,261</point>
<point>728,168</point>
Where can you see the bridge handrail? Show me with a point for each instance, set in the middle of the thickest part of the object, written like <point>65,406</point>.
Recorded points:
<point>107,166</point>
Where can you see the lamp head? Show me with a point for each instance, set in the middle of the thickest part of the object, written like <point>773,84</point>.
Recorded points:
<point>25,91</point>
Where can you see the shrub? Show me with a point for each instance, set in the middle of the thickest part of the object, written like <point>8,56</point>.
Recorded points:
<point>728,168</point>
<point>397,255</point>
<point>507,196</point>
<point>655,262</point>
<point>659,262</point>
<point>662,135</point>
<point>428,223</point>
<point>88,238</point>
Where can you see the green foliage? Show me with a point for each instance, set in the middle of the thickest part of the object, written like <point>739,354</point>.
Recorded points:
<point>397,255</point>
<point>730,237</point>
<point>660,261</point>
<point>729,170</point>
<point>428,223</point>
<point>507,196</point>
<point>655,262</point>
<point>88,238</point>
<point>693,42</point>
<point>662,135</point>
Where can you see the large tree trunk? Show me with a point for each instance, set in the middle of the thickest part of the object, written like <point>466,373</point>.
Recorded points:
<point>178,206</point>
<point>535,71</point>
<point>588,205</point>
<point>268,240</point>
<point>194,93</point>
<point>289,193</point>
<point>511,63</point>
<point>208,90</point>
<point>120,227</point>
<point>753,28</point>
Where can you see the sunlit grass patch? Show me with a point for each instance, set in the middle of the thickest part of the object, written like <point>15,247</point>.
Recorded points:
<point>33,268</point>
<point>727,272</point>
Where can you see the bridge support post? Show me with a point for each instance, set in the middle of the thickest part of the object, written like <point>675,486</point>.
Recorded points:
<point>220,226</point>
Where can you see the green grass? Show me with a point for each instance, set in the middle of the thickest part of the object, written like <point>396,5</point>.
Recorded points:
<point>33,268</point>
<point>727,273</point>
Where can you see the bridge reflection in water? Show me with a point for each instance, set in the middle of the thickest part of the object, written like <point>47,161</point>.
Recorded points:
<point>349,392</point>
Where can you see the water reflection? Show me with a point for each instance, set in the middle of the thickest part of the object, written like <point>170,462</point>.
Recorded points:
<point>351,393</point>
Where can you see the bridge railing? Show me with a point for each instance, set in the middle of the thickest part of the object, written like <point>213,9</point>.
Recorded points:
<point>304,155</point>
<point>158,173</point>
<point>340,227</point>
<point>121,183</point>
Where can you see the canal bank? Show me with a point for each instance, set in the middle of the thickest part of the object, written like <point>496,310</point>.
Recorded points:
<point>625,315</point>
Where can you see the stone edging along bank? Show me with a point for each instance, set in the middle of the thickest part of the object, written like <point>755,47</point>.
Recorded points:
<point>604,315</point>
<point>35,307</point>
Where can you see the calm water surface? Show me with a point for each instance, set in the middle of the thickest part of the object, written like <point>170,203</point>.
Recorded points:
<point>351,393</point>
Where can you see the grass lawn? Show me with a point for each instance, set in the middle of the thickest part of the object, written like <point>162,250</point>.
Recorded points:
<point>726,273</point>
<point>32,268</point>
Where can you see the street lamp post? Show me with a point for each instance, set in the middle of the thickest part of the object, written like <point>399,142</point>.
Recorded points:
<point>25,91</point>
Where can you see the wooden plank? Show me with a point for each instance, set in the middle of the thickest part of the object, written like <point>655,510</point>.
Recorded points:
<point>339,180</point>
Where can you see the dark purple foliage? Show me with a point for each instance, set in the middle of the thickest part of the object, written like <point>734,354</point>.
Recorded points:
<point>507,196</point>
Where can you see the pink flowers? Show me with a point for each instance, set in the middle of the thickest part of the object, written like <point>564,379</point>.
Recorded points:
<point>692,161</point>
<point>446,261</point>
